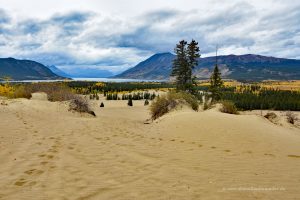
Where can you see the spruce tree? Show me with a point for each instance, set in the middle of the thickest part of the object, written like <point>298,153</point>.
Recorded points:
<point>216,82</point>
<point>186,59</point>
<point>193,55</point>
<point>180,65</point>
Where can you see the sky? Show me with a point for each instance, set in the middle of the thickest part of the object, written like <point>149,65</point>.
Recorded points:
<point>117,34</point>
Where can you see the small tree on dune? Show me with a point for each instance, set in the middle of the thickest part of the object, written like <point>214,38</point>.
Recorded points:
<point>130,103</point>
<point>216,82</point>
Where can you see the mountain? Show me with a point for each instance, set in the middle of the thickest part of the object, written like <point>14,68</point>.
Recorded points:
<point>25,70</point>
<point>248,67</point>
<point>156,67</point>
<point>59,72</point>
<point>79,72</point>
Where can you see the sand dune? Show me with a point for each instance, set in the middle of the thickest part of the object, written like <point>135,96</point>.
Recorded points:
<point>47,152</point>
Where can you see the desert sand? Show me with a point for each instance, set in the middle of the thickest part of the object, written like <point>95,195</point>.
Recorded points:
<point>47,152</point>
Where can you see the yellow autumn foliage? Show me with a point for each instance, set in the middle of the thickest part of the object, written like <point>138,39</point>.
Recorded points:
<point>100,84</point>
<point>6,90</point>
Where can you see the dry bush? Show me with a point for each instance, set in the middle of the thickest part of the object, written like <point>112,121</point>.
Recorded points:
<point>228,107</point>
<point>270,116</point>
<point>291,117</point>
<point>207,103</point>
<point>20,91</point>
<point>80,104</point>
<point>165,103</point>
<point>54,91</point>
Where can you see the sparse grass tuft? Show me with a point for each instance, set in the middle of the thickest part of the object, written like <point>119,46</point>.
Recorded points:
<point>80,104</point>
<point>165,103</point>
<point>270,116</point>
<point>228,107</point>
<point>291,117</point>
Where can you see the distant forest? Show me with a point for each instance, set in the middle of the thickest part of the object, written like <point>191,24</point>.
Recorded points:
<point>247,97</point>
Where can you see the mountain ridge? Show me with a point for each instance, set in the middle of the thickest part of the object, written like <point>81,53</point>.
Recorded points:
<point>248,67</point>
<point>17,69</point>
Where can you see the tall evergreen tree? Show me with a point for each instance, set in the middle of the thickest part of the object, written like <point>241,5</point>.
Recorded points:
<point>216,82</point>
<point>193,55</point>
<point>186,59</point>
<point>180,65</point>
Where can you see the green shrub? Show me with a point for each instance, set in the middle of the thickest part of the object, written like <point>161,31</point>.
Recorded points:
<point>165,103</point>
<point>228,107</point>
<point>146,102</point>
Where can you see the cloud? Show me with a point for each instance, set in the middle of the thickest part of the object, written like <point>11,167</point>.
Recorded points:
<point>110,41</point>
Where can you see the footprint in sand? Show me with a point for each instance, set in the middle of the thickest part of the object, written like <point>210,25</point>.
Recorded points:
<point>269,154</point>
<point>293,156</point>
<point>44,163</point>
<point>227,150</point>
<point>50,156</point>
<point>52,151</point>
<point>33,172</point>
<point>213,147</point>
<point>20,182</point>
<point>45,155</point>
<point>32,183</point>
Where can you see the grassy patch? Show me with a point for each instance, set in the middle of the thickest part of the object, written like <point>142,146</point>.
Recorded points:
<point>165,103</point>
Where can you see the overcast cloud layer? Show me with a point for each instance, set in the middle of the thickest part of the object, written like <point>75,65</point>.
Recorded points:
<point>119,34</point>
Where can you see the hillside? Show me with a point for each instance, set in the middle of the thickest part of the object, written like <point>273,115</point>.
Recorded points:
<point>57,71</point>
<point>244,67</point>
<point>25,70</point>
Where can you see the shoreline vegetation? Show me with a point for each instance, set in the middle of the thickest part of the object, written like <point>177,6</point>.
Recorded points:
<point>277,95</point>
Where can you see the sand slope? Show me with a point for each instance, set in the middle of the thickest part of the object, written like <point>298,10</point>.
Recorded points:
<point>47,152</point>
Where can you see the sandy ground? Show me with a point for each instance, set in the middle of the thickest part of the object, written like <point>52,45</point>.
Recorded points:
<point>47,152</point>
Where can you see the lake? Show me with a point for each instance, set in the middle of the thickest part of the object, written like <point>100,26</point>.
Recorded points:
<point>118,80</point>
